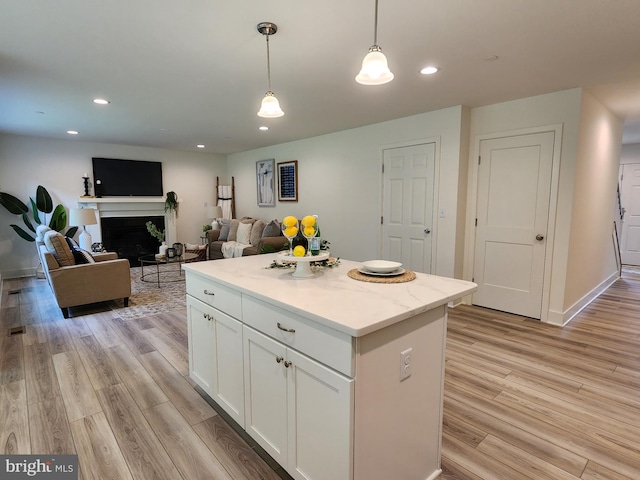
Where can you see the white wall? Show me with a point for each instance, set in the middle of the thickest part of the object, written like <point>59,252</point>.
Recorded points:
<point>58,165</point>
<point>340,177</point>
<point>591,136</point>
<point>591,265</point>
<point>630,153</point>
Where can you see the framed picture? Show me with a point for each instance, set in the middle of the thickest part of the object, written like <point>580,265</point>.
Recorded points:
<point>288,181</point>
<point>266,183</point>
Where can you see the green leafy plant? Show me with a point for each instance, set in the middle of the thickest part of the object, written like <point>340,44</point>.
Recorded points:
<point>36,214</point>
<point>206,228</point>
<point>171,203</point>
<point>153,230</point>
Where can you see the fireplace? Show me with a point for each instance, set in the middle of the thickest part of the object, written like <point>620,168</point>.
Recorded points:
<point>128,236</point>
<point>138,210</point>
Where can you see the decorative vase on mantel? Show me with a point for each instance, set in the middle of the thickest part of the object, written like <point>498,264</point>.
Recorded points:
<point>162,250</point>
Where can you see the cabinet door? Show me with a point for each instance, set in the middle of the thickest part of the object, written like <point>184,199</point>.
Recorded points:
<point>215,356</point>
<point>201,337</point>
<point>228,388</point>
<point>265,393</point>
<point>320,421</point>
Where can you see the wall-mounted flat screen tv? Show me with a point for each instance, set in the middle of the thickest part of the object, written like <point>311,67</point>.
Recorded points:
<point>127,178</point>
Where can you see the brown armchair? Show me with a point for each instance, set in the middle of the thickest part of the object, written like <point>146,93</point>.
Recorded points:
<point>76,284</point>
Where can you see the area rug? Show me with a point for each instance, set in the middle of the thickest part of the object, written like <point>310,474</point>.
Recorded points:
<point>149,299</point>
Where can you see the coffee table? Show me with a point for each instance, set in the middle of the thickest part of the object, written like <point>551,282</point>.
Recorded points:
<point>152,260</point>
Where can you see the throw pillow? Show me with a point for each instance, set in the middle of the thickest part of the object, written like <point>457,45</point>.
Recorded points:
<point>58,247</point>
<point>80,256</point>
<point>224,230</point>
<point>272,229</point>
<point>256,232</point>
<point>233,230</point>
<point>244,232</point>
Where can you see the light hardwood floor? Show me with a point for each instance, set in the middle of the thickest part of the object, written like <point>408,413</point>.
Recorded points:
<point>523,400</point>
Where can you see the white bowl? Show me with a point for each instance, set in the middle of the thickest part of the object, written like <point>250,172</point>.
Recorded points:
<point>381,266</point>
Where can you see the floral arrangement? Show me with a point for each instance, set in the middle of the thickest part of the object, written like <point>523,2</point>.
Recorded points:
<point>153,230</point>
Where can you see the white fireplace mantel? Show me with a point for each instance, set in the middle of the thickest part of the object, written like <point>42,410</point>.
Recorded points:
<point>128,207</point>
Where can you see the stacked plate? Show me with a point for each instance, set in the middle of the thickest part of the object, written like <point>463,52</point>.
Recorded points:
<point>381,268</point>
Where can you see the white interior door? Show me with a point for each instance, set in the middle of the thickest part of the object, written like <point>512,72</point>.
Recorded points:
<point>514,186</point>
<point>408,205</point>
<point>630,199</point>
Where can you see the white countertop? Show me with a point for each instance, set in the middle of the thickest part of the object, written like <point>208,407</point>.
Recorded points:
<point>332,298</point>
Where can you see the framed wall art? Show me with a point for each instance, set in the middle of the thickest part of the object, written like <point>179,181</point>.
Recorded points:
<point>266,183</point>
<point>288,181</point>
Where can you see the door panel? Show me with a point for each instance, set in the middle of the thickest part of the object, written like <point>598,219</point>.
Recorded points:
<point>630,199</point>
<point>408,205</point>
<point>514,186</point>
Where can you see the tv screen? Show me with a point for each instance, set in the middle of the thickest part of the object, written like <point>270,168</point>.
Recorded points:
<point>127,178</point>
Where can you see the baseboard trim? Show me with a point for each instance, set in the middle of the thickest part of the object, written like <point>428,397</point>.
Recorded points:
<point>562,318</point>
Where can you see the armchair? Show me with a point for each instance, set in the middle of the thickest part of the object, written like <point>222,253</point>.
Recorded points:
<point>104,278</point>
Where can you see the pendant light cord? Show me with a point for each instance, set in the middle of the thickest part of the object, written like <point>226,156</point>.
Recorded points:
<point>269,60</point>
<point>375,26</point>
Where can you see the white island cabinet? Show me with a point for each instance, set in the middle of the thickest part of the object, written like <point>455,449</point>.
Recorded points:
<point>335,378</point>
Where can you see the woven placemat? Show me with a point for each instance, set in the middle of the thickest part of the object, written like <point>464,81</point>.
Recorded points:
<point>407,276</point>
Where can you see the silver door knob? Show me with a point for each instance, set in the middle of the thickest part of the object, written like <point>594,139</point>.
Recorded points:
<point>539,237</point>
<point>427,231</point>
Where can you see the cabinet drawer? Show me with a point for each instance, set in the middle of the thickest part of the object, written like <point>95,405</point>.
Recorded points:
<point>218,296</point>
<point>321,343</point>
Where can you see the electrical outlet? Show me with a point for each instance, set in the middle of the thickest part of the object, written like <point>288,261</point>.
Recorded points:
<point>405,363</point>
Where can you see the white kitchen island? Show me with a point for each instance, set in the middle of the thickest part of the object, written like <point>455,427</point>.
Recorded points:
<point>311,368</point>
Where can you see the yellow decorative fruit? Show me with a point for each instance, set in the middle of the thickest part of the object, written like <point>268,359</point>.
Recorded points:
<point>290,231</point>
<point>289,221</point>
<point>309,231</point>
<point>299,251</point>
<point>309,221</point>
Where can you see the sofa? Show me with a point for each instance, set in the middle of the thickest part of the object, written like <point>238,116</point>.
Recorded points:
<point>78,277</point>
<point>243,237</point>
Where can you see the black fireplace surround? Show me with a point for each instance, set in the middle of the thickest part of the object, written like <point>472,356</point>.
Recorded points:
<point>129,238</point>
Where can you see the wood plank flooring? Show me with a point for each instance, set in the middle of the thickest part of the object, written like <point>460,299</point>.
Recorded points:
<point>523,400</point>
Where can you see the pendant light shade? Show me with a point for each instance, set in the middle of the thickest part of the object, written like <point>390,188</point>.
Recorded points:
<point>270,107</point>
<point>375,70</point>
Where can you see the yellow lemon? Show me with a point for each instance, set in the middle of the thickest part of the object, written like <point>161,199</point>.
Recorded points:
<point>299,251</point>
<point>290,231</point>
<point>309,231</point>
<point>289,221</point>
<point>309,221</point>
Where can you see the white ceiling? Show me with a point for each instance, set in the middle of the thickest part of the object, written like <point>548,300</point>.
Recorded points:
<point>179,73</point>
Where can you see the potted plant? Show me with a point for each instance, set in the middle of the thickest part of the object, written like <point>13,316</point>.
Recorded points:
<point>40,208</point>
<point>171,203</point>
<point>153,230</point>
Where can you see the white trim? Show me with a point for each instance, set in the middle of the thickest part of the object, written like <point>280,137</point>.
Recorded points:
<point>472,207</point>
<point>562,318</point>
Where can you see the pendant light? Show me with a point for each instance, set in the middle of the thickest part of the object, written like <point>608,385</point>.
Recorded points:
<point>270,107</point>
<point>375,70</point>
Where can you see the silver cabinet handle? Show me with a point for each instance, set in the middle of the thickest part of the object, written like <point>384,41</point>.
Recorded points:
<point>279,359</point>
<point>287,363</point>
<point>285,329</point>
<point>207,292</point>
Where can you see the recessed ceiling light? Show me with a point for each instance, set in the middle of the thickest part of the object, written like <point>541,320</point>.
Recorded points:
<point>72,132</point>
<point>263,127</point>
<point>200,146</point>
<point>430,70</point>
<point>101,101</point>
<point>490,58</point>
